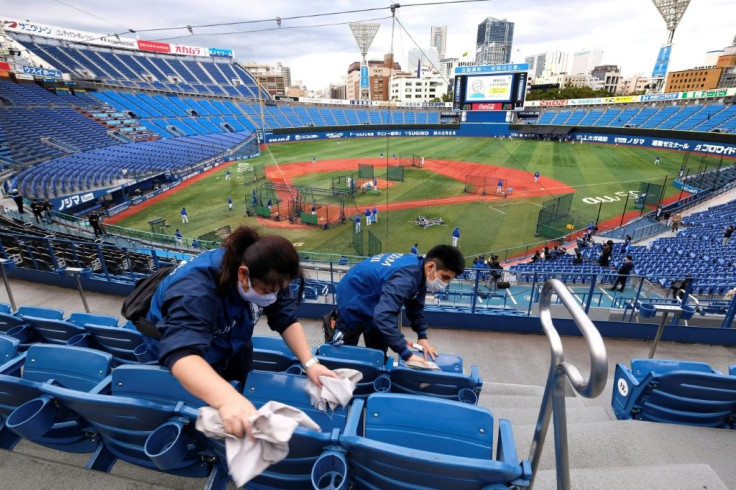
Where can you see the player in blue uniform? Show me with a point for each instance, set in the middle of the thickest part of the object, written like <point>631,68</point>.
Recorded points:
<point>206,310</point>
<point>371,295</point>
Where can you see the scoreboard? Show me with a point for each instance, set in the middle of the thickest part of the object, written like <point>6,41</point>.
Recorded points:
<point>490,87</point>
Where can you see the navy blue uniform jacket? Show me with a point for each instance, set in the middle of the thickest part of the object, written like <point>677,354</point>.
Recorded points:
<point>193,319</point>
<point>372,293</point>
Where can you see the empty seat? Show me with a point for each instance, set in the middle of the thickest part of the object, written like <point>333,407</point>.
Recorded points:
<point>76,369</point>
<point>452,384</point>
<point>370,362</point>
<point>272,354</point>
<point>141,400</point>
<point>405,442</point>
<point>679,392</point>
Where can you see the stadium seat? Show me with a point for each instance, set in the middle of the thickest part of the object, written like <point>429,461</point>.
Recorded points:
<point>141,400</point>
<point>8,348</point>
<point>305,446</point>
<point>124,343</point>
<point>448,385</point>
<point>370,362</point>
<point>404,442</point>
<point>272,354</point>
<point>679,392</point>
<point>76,369</point>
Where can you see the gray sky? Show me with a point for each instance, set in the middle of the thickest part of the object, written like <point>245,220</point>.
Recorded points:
<point>630,32</point>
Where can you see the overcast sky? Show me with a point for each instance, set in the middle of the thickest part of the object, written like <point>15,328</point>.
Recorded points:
<point>630,32</point>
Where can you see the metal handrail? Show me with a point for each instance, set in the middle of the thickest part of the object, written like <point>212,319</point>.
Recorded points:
<point>554,391</point>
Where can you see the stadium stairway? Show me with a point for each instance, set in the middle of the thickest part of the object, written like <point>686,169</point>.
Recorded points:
<point>604,453</point>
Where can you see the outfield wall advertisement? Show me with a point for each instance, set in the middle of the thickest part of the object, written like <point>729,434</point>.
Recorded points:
<point>725,149</point>
<point>629,99</point>
<point>465,130</point>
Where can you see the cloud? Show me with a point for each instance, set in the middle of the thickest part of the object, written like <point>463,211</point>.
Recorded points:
<point>629,31</point>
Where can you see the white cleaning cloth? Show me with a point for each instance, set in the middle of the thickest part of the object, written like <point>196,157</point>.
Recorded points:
<point>271,427</point>
<point>335,391</point>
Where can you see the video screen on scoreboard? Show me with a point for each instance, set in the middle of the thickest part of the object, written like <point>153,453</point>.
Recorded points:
<point>489,88</point>
<point>489,91</point>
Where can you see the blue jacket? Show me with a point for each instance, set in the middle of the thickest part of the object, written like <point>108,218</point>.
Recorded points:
<point>372,293</point>
<point>193,319</point>
<point>456,232</point>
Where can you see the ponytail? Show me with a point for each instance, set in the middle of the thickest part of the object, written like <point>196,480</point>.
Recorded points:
<point>271,259</point>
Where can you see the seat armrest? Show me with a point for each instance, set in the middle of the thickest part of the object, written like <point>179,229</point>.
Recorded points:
<point>354,416</point>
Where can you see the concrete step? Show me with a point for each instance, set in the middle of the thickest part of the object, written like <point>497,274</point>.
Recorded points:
<point>493,401</point>
<point>23,471</point>
<point>657,477</point>
<point>528,416</point>
<point>73,464</point>
<point>633,443</point>
<point>491,388</point>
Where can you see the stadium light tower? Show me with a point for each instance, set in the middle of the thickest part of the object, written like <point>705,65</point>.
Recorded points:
<point>672,12</point>
<point>364,33</point>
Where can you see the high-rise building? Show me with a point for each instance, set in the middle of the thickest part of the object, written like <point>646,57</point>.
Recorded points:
<point>438,39</point>
<point>584,61</point>
<point>379,73</point>
<point>430,58</point>
<point>494,41</point>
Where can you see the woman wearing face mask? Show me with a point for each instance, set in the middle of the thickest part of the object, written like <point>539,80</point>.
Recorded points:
<point>205,312</point>
<point>371,295</point>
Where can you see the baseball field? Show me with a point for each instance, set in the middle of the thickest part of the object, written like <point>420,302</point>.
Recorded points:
<point>447,186</point>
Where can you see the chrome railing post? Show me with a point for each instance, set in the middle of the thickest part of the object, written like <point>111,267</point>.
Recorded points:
<point>553,400</point>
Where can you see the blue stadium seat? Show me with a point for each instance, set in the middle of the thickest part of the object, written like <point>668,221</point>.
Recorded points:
<point>370,362</point>
<point>404,442</point>
<point>141,400</point>
<point>442,384</point>
<point>305,446</point>
<point>8,348</point>
<point>679,392</point>
<point>77,369</point>
<point>272,354</point>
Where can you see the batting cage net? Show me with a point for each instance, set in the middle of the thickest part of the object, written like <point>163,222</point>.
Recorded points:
<point>395,173</point>
<point>307,205</point>
<point>649,193</point>
<point>251,173</point>
<point>479,184</point>
<point>365,171</point>
<point>554,218</point>
<point>343,183</point>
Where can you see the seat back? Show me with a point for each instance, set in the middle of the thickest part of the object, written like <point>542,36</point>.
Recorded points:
<point>272,354</point>
<point>5,308</point>
<point>430,424</point>
<point>9,321</point>
<point>369,362</point>
<point>83,319</point>
<point>439,384</point>
<point>154,383</point>
<point>76,368</point>
<point>118,341</point>
<point>413,442</point>
<point>52,330</point>
<point>264,386</point>
<point>8,348</point>
<point>40,312</point>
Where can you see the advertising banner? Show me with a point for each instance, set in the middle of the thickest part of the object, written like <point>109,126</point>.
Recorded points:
<point>705,94</point>
<point>477,70</point>
<point>552,103</point>
<point>221,53</point>
<point>154,46</point>
<point>663,59</point>
<point>189,50</point>
<point>4,66</point>
<point>39,72</point>
<point>724,149</point>
<point>365,81</point>
<point>70,35</point>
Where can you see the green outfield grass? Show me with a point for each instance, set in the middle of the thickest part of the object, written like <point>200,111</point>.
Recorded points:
<point>595,171</point>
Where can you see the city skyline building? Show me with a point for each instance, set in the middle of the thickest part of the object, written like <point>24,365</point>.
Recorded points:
<point>438,39</point>
<point>494,41</point>
<point>585,60</point>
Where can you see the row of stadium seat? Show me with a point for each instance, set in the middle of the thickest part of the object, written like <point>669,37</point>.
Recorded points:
<point>72,399</point>
<point>204,76</point>
<point>705,117</point>
<point>672,391</point>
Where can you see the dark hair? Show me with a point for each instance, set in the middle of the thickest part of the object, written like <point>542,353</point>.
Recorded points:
<point>270,259</point>
<point>447,257</point>
<point>629,257</point>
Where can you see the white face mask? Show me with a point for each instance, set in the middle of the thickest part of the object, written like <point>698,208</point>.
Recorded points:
<point>437,284</point>
<point>251,296</point>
